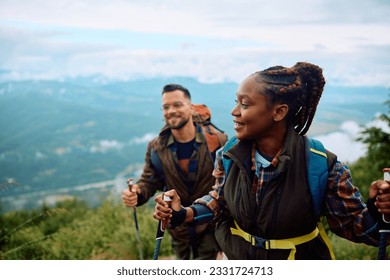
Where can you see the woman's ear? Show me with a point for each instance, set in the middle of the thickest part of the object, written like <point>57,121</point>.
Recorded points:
<point>280,112</point>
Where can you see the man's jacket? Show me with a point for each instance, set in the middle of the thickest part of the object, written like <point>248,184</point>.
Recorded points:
<point>190,187</point>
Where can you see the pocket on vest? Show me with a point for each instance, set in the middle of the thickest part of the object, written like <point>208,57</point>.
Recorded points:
<point>234,247</point>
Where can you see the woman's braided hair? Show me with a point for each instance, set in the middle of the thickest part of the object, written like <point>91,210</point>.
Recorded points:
<point>300,87</point>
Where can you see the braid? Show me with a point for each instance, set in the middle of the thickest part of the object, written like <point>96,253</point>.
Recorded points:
<point>312,76</point>
<point>300,87</point>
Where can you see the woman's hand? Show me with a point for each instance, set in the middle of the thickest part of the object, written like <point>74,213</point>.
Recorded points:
<point>163,209</point>
<point>381,189</point>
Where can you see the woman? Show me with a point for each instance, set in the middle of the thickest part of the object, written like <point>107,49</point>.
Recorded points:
<point>264,202</point>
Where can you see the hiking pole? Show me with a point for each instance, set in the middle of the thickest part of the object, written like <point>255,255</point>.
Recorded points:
<point>130,183</point>
<point>384,225</point>
<point>160,231</point>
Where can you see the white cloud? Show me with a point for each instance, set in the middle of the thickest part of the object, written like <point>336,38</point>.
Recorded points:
<point>106,145</point>
<point>39,155</point>
<point>343,141</point>
<point>382,125</point>
<point>143,139</point>
<point>208,40</point>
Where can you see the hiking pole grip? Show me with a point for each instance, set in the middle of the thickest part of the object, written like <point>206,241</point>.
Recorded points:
<point>160,231</point>
<point>130,183</point>
<point>384,224</point>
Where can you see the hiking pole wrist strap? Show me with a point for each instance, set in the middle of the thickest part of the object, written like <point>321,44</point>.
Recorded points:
<point>178,217</point>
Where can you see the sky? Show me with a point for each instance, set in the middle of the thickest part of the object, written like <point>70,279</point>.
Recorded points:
<point>212,41</point>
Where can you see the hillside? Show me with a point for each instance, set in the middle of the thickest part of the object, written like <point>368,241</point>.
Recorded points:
<point>66,135</point>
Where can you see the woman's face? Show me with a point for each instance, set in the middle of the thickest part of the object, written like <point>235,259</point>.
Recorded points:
<point>252,117</point>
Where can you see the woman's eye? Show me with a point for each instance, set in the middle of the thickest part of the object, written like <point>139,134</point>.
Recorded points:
<point>242,105</point>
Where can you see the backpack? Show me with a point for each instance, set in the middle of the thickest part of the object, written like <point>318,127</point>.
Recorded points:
<point>215,137</point>
<point>317,169</point>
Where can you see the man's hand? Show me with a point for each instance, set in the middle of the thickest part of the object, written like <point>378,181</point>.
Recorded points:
<point>130,195</point>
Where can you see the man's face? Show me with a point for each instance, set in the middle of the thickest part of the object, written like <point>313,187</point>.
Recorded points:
<point>177,109</point>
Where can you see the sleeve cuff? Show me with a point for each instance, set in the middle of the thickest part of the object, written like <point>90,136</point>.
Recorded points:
<point>178,217</point>
<point>140,199</point>
<point>372,209</point>
<point>202,214</point>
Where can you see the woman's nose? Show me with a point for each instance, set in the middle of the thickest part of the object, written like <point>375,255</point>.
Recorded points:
<point>235,111</point>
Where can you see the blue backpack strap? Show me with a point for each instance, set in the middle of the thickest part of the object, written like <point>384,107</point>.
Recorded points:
<point>157,164</point>
<point>227,162</point>
<point>317,171</point>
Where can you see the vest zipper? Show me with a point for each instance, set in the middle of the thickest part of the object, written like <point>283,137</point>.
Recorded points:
<point>276,207</point>
<point>237,202</point>
<point>262,193</point>
<point>240,181</point>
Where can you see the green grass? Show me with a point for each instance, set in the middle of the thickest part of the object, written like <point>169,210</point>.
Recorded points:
<point>73,231</point>
<point>347,250</point>
<point>76,232</point>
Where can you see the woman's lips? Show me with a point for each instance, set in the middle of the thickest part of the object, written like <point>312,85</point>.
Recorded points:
<point>238,124</point>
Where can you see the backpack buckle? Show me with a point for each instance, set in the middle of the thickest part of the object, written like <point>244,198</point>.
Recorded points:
<point>260,242</point>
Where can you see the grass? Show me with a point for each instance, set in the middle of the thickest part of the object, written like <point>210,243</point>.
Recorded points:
<point>73,231</point>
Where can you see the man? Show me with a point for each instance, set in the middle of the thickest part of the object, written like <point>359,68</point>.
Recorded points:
<point>179,159</point>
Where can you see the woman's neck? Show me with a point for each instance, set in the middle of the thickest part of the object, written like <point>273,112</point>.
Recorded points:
<point>271,144</point>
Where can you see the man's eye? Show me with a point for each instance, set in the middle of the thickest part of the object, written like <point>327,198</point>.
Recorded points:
<point>177,105</point>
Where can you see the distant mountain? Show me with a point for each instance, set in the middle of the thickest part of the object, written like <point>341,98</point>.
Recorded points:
<point>61,134</point>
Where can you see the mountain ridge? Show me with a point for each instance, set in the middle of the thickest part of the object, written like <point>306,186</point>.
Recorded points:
<point>58,134</point>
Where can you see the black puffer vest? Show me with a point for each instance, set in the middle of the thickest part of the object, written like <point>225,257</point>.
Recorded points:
<point>285,208</point>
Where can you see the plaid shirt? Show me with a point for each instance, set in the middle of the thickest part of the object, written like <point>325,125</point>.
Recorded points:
<point>346,213</point>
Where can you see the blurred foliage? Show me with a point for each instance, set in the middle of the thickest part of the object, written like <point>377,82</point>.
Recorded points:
<point>347,250</point>
<point>370,167</point>
<point>72,231</point>
<point>364,171</point>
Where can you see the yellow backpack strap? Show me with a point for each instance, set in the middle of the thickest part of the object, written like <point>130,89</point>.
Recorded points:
<point>253,240</point>
<point>291,243</point>
<point>325,237</point>
<point>268,244</point>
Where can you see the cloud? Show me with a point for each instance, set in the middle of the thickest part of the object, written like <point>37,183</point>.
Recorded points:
<point>208,40</point>
<point>106,145</point>
<point>343,142</point>
<point>144,139</point>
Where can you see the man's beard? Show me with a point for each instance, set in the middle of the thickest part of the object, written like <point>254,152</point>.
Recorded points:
<point>179,125</point>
